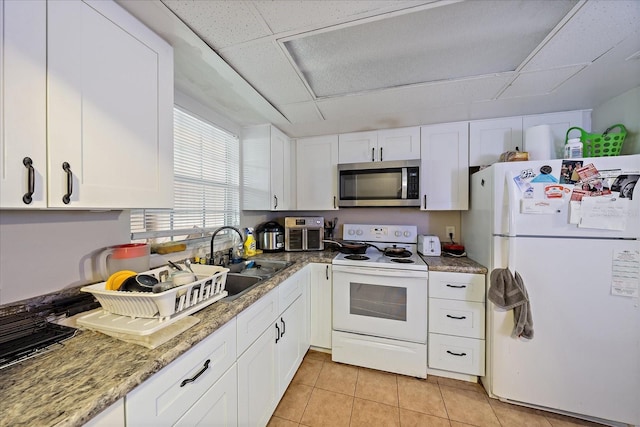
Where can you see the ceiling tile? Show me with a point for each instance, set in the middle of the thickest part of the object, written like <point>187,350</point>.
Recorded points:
<point>266,67</point>
<point>538,83</point>
<point>595,28</point>
<point>489,37</point>
<point>417,97</point>
<point>290,15</point>
<point>220,23</point>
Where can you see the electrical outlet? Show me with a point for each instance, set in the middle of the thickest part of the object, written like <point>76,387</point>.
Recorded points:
<point>451,232</point>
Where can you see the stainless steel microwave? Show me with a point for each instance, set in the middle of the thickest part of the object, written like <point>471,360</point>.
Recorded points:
<point>394,183</point>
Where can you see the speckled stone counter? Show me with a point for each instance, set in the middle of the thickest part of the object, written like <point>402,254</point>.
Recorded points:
<point>76,381</point>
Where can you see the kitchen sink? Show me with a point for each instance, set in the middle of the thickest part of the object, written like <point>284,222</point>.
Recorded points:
<point>240,283</point>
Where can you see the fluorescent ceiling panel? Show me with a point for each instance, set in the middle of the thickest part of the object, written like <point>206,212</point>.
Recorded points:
<point>458,40</point>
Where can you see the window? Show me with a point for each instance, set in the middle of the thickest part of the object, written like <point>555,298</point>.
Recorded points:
<point>206,184</point>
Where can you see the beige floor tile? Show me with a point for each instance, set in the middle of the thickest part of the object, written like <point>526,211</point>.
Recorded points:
<point>370,414</point>
<point>308,372</point>
<point>318,355</point>
<point>416,419</point>
<point>468,407</point>
<point>432,379</point>
<point>337,377</point>
<point>281,422</point>
<point>326,408</point>
<point>378,386</point>
<point>294,402</point>
<point>515,416</point>
<point>420,396</point>
<point>450,382</point>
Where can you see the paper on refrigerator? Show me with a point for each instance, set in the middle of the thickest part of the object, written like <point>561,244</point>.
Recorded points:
<point>625,273</point>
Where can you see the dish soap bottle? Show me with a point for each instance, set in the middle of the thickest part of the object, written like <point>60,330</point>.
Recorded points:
<point>249,243</point>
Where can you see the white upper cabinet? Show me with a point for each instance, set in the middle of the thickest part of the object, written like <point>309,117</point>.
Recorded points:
<point>399,144</point>
<point>382,145</point>
<point>317,173</point>
<point>108,102</point>
<point>266,171</point>
<point>23,114</point>
<point>444,169</point>
<point>490,138</point>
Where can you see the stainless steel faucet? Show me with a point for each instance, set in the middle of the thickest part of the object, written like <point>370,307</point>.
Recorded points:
<point>215,233</point>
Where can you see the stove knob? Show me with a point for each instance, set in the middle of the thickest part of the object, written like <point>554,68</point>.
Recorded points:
<point>351,232</point>
<point>407,234</point>
<point>359,232</point>
<point>398,233</point>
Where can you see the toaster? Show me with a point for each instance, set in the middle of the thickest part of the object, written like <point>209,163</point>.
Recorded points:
<point>429,245</point>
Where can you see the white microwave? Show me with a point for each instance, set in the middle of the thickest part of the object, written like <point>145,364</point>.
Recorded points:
<point>394,183</point>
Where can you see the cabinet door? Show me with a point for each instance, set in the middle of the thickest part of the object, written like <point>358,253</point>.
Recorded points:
<point>559,124</point>
<point>256,168</point>
<point>320,316</point>
<point>358,147</point>
<point>490,138</point>
<point>280,170</point>
<point>110,108</point>
<point>23,102</point>
<point>399,144</point>
<point>218,406</point>
<point>444,171</point>
<point>164,398</point>
<point>290,350</point>
<point>258,383</point>
<point>317,173</point>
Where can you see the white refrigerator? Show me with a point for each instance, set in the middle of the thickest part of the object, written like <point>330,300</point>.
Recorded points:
<point>579,264</point>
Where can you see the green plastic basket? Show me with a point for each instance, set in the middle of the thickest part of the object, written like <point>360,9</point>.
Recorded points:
<point>601,145</point>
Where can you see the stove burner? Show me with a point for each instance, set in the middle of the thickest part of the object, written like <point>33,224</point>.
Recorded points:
<point>403,260</point>
<point>357,257</point>
<point>405,254</point>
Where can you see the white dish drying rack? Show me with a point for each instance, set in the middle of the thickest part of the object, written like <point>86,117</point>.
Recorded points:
<point>142,313</point>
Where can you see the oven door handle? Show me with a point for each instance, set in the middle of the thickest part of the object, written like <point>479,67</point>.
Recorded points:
<point>386,272</point>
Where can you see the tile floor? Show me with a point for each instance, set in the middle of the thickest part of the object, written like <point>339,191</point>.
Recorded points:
<point>325,393</point>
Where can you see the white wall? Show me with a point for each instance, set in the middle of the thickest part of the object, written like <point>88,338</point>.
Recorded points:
<point>47,251</point>
<point>623,109</point>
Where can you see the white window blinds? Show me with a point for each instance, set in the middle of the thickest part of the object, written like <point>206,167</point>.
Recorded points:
<point>206,184</point>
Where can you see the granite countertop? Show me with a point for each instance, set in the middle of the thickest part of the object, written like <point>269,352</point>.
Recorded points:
<point>77,380</point>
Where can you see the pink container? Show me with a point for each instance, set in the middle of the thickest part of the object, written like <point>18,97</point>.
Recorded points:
<point>131,256</point>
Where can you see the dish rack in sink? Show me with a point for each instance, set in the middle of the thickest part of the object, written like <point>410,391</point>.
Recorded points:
<point>146,312</point>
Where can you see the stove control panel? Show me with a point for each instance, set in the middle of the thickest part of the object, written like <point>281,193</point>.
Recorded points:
<point>380,233</point>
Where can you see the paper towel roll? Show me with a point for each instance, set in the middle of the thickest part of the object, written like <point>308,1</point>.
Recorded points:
<point>538,142</point>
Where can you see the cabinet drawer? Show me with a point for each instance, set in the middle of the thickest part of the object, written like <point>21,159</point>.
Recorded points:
<point>459,286</point>
<point>456,354</point>
<point>163,399</point>
<point>453,317</point>
<point>291,289</point>
<point>253,321</point>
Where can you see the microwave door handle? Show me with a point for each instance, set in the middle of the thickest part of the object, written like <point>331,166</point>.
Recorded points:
<point>404,183</point>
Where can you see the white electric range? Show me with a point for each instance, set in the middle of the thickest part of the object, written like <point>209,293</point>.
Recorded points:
<point>380,301</point>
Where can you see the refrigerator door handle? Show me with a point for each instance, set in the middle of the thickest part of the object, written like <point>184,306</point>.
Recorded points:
<point>511,255</point>
<point>512,203</point>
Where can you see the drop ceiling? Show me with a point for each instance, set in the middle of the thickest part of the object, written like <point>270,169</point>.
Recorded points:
<point>321,67</point>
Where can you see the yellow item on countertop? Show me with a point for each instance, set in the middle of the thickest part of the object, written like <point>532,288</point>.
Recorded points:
<point>249,243</point>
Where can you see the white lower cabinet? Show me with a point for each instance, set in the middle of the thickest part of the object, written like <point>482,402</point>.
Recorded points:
<point>268,365</point>
<point>456,322</point>
<point>186,389</point>
<point>320,282</point>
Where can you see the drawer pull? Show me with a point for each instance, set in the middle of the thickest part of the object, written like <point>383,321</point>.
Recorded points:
<point>31,180</point>
<point>456,317</point>
<point>277,334</point>
<point>195,377</point>
<point>66,199</point>
<point>456,354</point>
<point>283,327</point>
<point>456,286</point>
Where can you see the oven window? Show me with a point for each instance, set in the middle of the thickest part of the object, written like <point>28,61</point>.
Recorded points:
<point>371,184</point>
<point>383,302</point>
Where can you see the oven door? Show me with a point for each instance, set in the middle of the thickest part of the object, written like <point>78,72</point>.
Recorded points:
<point>380,302</point>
